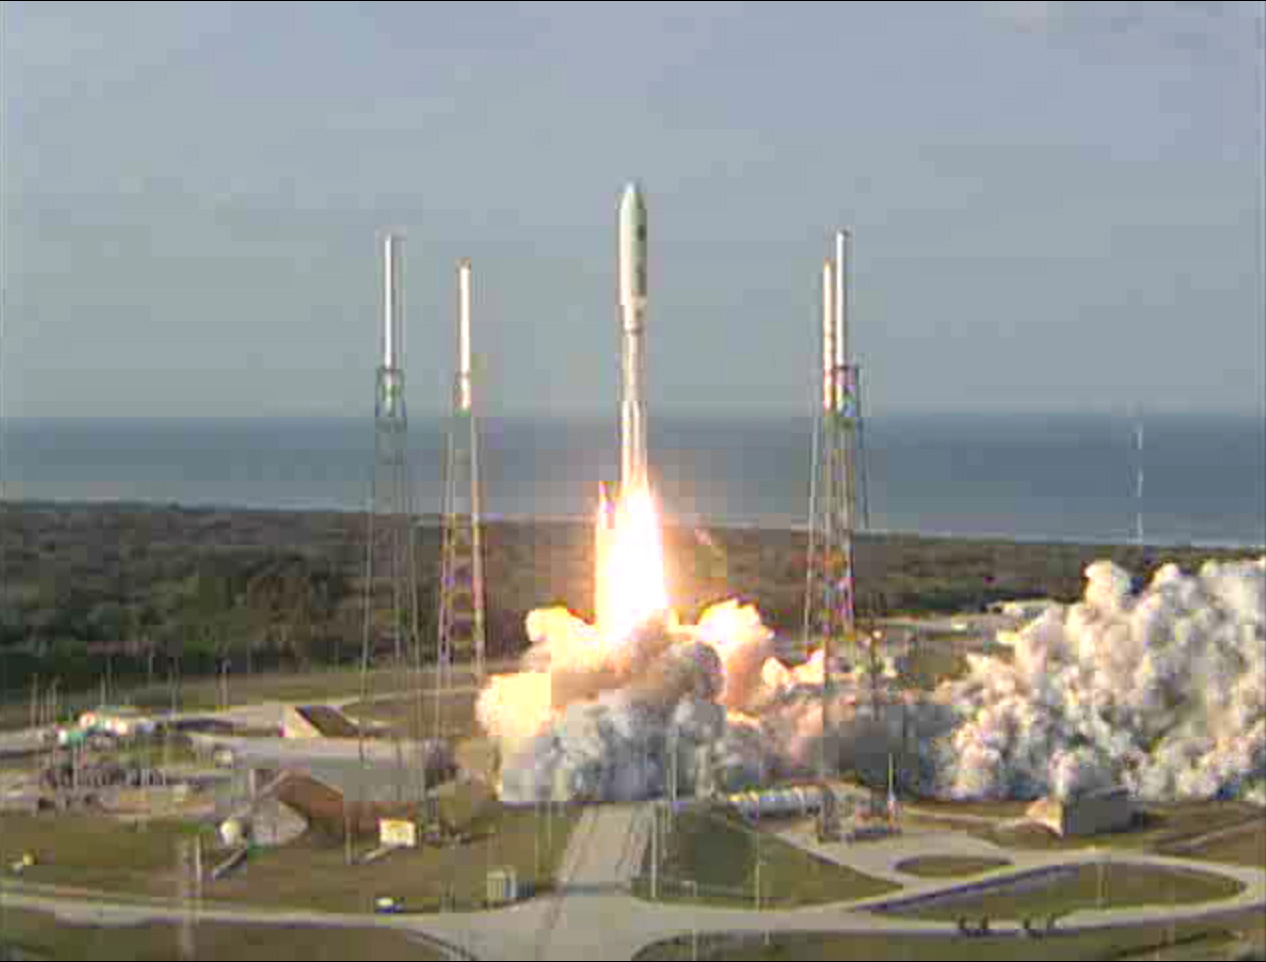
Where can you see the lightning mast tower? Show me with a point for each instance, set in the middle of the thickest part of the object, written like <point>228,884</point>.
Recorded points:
<point>829,617</point>
<point>461,615</point>
<point>390,551</point>
<point>1138,480</point>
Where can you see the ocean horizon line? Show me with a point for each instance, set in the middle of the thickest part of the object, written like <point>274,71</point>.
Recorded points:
<point>435,519</point>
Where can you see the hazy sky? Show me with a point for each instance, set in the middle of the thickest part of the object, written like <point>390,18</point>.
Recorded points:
<point>1056,205</point>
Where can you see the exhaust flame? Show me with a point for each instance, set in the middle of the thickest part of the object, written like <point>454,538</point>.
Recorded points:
<point>631,587</point>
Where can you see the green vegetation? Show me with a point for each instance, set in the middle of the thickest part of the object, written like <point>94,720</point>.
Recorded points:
<point>1110,886</point>
<point>133,592</point>
<point>1001,810</point>
<point>1158,827</point>
<point>1223,938</point>
<point>1244,845</point>
<point>400,715</point>
<point>204,694</point>
<point>312,872</point>
<point>718,852</point>
<point>38,935</point>
<point>99,853</point>
<point>949,866</point>
<point>95,852</point>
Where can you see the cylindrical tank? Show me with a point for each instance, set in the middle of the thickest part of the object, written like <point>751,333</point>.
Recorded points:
<point>234,832</point>
<point>778,801</point>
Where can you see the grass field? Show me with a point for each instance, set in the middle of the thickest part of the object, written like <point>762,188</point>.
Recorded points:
<point>719,853</point>
<point>400,714</point>
<point>90,851</point>
<point>1186,941</point>
<point>1001,810</point>
<point>95,852</point>
<point>1245,845</point>
<point>1111,886</point>
<point>40,936</point>
<point>949,866</point>
<point>312,871</point>
<point>1157,827</point>
<point>203,694</point>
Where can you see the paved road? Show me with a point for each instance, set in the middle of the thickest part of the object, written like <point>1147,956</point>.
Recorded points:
<point>593,919</point>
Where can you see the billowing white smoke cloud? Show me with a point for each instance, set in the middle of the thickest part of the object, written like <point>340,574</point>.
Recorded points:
<point>592,719</point>
<point>1164,692</point>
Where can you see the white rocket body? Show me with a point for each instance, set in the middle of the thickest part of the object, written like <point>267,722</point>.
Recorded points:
<point>631,301</point>
<point>632,306</point>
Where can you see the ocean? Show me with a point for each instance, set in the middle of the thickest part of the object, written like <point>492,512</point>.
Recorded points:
<point>1027,478</point>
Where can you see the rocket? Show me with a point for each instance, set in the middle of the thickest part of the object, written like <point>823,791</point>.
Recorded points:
<point>631,259</point>
<point>631,303</point>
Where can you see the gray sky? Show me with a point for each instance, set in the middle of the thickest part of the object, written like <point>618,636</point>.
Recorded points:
<point>1057,206</point>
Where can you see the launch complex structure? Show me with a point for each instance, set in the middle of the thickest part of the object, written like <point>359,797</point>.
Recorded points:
<point>390,518</point>
<point>830,613</point>
<point>461,630</point>
<point>830,597</point>
<point>391,543</point>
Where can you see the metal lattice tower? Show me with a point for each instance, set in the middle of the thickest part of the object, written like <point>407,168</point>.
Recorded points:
<point>461,602</point>
<point>389,549</point>
<point>830,611</point>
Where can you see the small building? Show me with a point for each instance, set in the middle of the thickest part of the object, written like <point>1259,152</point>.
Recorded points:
<point>503,886</point>
<point>119,722</point>
<point>1086,813</point>
<point>295,723</point>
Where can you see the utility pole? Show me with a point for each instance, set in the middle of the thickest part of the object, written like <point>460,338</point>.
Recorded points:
<point>654,853</point>
<point>347,830</point>
<point>694,922</point>
<point>757,834</point>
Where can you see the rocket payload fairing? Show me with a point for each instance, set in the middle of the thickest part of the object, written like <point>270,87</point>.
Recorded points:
<point>632,305</point>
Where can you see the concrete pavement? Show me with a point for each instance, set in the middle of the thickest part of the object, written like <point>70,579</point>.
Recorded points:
<point>592,918</point>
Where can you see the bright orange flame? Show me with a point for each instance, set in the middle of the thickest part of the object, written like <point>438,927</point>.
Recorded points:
<point>631,566</point>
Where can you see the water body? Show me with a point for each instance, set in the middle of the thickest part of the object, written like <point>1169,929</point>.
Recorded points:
<point>1067,478</point>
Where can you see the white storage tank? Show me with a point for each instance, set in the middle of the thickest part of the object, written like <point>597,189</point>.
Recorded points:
<point>234,832</point>
<point>802,800</point>
<point>503,886</point>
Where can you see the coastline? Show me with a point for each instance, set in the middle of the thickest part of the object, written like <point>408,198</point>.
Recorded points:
<point>433,519</point>
<point>142,584</point>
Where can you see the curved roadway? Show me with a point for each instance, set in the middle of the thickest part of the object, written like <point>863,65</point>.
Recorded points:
<point>592,916</point>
